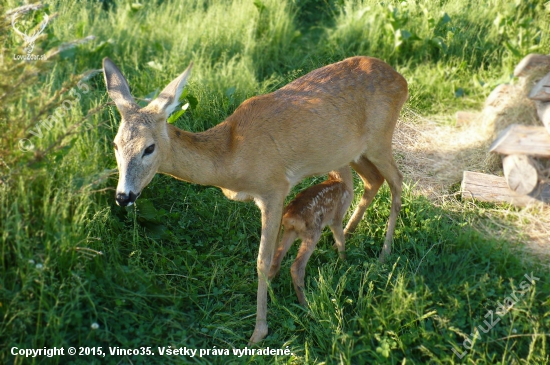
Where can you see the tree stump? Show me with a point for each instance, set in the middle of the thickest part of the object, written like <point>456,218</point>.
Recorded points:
<point>521,173</point>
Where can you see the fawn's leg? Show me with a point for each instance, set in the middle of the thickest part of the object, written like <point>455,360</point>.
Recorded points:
<point>288,238</point>
<point>298,268</point>
<point>339,239</point>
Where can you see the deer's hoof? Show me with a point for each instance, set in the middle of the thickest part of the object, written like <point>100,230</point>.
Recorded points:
<point>259,334</point>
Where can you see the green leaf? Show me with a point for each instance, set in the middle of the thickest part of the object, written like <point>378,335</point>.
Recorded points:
<point>101,46</point>
<point>229,92</point>
<point>172,119</point>
<point>259,5</point>
<point>439,43</point>
<point>403,35</point>
<point>499,23</point>
<point>152,95</point>
<point>193,102</point>
<point>157,231</point>
<point>146,210</point>
<point>184,94</point>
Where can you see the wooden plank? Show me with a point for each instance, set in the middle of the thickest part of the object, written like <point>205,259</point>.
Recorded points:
<point>530,62</point>
<point>490,188</point>
<point>541,90</point>
<point>523,140</point>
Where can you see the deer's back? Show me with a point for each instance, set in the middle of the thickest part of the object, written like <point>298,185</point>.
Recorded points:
<point>345,90</point>
<point>319,122</point>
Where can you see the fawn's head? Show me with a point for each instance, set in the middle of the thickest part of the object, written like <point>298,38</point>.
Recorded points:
<point>142,137</point>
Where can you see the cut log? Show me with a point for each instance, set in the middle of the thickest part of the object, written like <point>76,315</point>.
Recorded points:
<point>541,91</point>
<point>522,140</point>
<point>490,188</point>
<point>464,118</point>
<point>530,62</point>
<point>543,111</point>
<point>520,173</point>
<point>499,95</point>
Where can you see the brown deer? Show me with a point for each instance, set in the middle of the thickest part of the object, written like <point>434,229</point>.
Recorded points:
<point>306,216</point>
<point>343,113</point>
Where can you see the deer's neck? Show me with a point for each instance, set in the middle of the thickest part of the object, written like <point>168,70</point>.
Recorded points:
<point>198,158</point>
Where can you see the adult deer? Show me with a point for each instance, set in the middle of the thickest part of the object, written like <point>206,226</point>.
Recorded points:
<point>340,114</point>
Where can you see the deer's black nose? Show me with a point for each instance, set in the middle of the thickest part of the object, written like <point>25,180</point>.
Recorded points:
<point>123,199</point>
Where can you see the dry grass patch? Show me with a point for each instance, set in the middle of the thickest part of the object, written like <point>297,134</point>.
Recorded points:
<point>433,153</point>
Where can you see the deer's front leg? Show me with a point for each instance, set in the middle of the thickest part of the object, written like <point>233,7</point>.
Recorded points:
<point>272,211</point>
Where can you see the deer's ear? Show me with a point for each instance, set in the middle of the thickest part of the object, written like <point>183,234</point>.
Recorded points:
<point>168,99</point>
<point>117,87</point>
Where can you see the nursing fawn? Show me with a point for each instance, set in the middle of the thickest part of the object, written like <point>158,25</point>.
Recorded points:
<point>313,209</point>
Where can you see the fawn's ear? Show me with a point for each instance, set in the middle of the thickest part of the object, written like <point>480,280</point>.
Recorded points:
<point>117,87</point>
<point>168,99</point>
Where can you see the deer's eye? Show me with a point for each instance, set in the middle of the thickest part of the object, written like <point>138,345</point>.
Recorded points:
<point>149,150</point>
<point>115,146</point>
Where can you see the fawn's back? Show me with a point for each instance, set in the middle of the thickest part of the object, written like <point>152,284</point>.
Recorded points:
<point>320,205</point>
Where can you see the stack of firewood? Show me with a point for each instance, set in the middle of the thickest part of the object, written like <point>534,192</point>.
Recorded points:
<point>522,147</point>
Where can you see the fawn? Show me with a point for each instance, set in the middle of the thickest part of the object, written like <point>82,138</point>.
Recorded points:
<point>306,216</point>
<point>341,114</point>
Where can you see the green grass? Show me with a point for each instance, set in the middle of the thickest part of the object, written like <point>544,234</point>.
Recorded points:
<point>179,268</point>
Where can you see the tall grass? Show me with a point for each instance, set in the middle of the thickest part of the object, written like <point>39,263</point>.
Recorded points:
<point>179,269</point>
<point>454,49</point>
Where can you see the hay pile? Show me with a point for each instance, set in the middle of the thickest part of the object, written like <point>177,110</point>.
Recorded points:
<point>433,155</point>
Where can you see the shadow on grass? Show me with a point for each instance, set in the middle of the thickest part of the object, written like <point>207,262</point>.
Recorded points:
<point>443,278</point>
<point>197,289</point>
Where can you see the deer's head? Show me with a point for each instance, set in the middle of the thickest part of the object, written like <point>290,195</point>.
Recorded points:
<point>142,138</point>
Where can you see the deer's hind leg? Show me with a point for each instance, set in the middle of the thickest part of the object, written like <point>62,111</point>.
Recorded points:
<point>385,164</point>
<point>372,180</point>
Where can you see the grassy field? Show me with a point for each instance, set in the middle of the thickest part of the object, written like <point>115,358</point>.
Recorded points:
<point>179,268</point>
